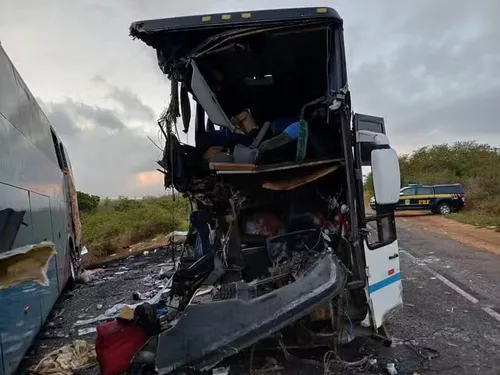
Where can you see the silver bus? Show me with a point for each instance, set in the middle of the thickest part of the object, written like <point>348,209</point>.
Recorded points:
<point>37,204</point>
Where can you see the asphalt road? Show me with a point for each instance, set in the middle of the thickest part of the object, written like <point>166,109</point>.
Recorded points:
<point>452,301</point>
<point>450,323</point>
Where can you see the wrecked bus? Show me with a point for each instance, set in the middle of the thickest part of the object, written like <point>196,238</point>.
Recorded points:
<point>38,211</point>
<point>280,243</point>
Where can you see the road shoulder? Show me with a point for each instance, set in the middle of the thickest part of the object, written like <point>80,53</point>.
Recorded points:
<point>466,234</point>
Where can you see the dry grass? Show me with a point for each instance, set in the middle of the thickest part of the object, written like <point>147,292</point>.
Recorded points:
<point>124,222</point>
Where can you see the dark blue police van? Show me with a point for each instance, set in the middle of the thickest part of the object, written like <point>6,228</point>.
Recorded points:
<point>442,199</point>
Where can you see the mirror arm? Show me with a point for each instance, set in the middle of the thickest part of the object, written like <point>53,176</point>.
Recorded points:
<point>379,139</point>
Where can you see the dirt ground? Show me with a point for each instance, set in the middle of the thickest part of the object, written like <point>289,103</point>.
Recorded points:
<point>89,261</point>
<point>469,235</point>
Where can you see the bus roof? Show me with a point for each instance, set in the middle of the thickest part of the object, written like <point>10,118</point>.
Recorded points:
<point>233,19</point>
<point>176,36</point>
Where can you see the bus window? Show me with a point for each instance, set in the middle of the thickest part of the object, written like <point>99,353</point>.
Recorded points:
<point>63,156</point>
<point>57,149</point>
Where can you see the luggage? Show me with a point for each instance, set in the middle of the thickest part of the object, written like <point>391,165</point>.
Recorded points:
<point>117,342</point>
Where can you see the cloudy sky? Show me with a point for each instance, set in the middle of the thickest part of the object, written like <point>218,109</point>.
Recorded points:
<point>431,68</point>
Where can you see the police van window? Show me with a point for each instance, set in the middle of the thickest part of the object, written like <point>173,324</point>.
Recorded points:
<point>408,191</point>
<point>449,189</point>
<point>425,191</point>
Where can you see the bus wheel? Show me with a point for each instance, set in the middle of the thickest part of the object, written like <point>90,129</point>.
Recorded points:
<point>72,274</point>
<point>73,265</point>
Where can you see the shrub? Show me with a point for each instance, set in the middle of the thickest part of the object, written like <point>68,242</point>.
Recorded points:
<point>124,222</point>
<point>474,165</point>
<point>87,202</point>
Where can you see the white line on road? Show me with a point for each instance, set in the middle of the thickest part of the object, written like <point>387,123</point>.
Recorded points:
<point>492,313</point>
<point>456,288</point>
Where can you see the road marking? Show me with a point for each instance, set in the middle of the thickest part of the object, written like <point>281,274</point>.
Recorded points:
<point>456,288</point>
<point>443,279</point>
<point>492,313</point>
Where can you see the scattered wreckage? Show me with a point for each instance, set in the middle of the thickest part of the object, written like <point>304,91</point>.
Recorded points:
<point>278,232</point>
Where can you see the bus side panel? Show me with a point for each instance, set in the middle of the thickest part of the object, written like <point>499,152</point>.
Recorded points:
<point>58,212</point>
<point>23,168</point>
<point>28,163</point>
<point>20,108</point>
<point>20,310</point>
<point>1,357</point>
<point>28,157</point>
<point>42,226</point>
<point>22,316</point>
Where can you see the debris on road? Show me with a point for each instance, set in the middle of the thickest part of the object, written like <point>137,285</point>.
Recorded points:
<point>67,360</point>
<point>86,331</point>
<point>391,369</point>
<point>220,371</point>
<point>177,237</point>
<point>119,310</point>
<point>89,276</point>
<point>113,301</point>
<point>137,296</point>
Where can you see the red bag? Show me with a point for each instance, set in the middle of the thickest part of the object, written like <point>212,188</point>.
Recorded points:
<point>116,343</point>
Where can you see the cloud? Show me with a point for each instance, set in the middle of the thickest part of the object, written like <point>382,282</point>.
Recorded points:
<point>108,158</point>
<point>59,118</point>
<point>150,178</point>
<point>437,80</point>
<point>431,69</point>
<point>69,117</point>
<point>129,102</point>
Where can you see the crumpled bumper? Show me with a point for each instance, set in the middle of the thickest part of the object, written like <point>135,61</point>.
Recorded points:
<point>212,330</point>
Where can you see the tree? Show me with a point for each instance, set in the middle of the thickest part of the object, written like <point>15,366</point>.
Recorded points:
<point>87,202</point>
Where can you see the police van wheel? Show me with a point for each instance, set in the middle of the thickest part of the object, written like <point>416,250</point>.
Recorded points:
<point>444,209</point>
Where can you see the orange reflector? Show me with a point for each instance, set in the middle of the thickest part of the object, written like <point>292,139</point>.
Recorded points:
<point>391,271</point>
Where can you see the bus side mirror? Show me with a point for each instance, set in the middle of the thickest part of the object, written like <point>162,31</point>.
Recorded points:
<point>386,176</point>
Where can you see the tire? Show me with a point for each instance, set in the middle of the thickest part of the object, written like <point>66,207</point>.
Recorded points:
<point>74,265</point>
<point>72,272</point>
<point>444,209</point>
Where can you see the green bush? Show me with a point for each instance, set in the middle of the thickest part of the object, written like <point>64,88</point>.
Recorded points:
<point>476,166</point>
<point>124,222</point>
<point>87,202</point>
